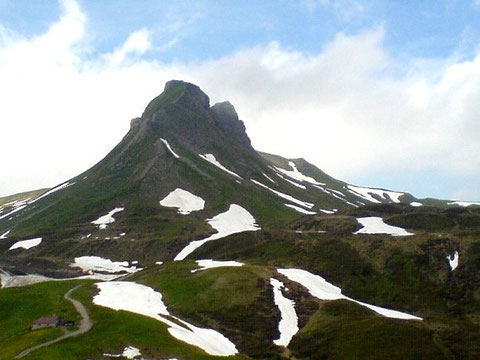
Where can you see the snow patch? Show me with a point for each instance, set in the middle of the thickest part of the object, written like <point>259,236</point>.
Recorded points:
<point>185,201</point>
<point>453,260</point>
<point>26,244</point>
<point>416,204</point>
<point>209,264</point>
<point>375,225</point>
<point>170,148</point>
<point>141,299</point>
<point>327,211</point>
<point>5,234</point>
<point>104,220</point>
<point>211,159</point>
<point>461,203</point>
<point>288,325</point>
<point>297,175</point>
<point>323,290</point>
<point>285,196</point>
<point>236,219</point>
<point>366,193</point>
<point>95,264</point>
<point>300,210</point>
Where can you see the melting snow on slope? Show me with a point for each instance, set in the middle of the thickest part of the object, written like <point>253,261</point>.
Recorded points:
<point>209,264</point>
<point>375,225</point>
<point>185,201</point>
<point>26,244</point>
<point>170,148</point>
<point>297,175</point>
<point>98,264</point>
<point>211,159</point>
<point>236,219</point>
<point>141,299</point>
<point>288,325</point>
<point>366,193</point>
<point>5,234</point>
<point>453,260</point>
<point>285,196</point>
<point>300,210</point>
<point>464,203</point>
<point>104,220</point>
<point>323,290</point>
<point>416,204</point>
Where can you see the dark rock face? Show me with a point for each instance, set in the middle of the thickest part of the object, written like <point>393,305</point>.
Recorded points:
<point>227,120</point>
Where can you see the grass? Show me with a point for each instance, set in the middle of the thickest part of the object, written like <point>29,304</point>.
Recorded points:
<point>20,307</point>
<point>112,330</point>
<point>344,330</point>
<point>236,301</point>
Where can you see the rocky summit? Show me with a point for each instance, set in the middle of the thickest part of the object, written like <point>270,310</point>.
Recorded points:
<point>185,242</point>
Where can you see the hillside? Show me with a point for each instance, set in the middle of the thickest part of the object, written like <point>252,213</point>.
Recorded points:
<point>305,266</point>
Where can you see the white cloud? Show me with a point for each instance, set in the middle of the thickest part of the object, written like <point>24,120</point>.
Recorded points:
<point>351,109</point>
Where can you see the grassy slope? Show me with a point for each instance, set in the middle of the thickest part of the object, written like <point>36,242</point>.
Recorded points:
<point>238,302</point>
<point>20,307</point>
<point>344,330</point>
<point>112,331</point>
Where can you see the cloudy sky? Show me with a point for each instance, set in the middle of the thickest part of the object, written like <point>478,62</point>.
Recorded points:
<point>375,92</point>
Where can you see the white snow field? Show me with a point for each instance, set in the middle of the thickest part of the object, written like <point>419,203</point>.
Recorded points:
<point>453,260</point>
<point>5,234</point>
<point>211,159</point>
<point>375,225</point>
<point>185,201</point>
<point>236,219</point>
<point>323,290</point>
<point>26,244</point>
<point>94,264</point>
<point>300,210</point>
<point>170,148</point>
<point>285,196</point>
<point>366,193</point>
<point>141,299</point>
<point>297,175</point>
<point>104,220</point>
<point>461,203</point>
<point>288,325</point>
<point>209,264</point>
<point>416,204</point>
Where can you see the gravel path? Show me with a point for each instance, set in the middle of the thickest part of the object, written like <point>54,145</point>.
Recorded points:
<point>85,325</point>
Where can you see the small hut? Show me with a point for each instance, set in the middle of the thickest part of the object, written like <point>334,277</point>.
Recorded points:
<point>47,321</point>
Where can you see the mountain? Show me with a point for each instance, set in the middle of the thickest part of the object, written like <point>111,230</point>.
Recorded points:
<point>185,186</point>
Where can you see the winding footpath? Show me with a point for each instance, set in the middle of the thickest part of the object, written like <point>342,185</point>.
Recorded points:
<point>85,325</point>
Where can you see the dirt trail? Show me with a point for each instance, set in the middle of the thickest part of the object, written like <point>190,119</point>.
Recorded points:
<point>85,325</point>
